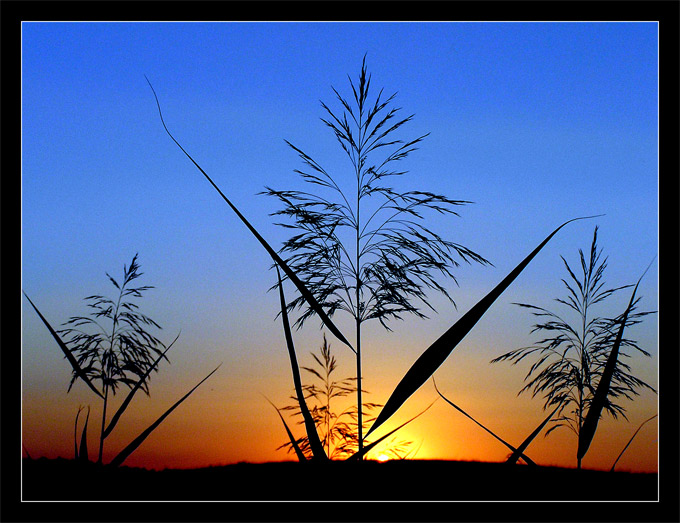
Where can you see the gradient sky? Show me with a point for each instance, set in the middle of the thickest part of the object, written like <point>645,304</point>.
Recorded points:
<point>536,123</point>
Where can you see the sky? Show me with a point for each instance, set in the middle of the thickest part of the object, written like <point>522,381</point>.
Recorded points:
<point>536,123</point>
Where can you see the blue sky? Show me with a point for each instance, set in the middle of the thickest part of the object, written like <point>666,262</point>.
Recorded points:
<point>536,123</point>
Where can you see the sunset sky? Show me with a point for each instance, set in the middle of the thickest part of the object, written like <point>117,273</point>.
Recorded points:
<point>536,123</point>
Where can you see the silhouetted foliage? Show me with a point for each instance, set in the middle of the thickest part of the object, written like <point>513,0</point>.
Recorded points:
<point>569,362</point>
<point>337,429</point>
<point>361,246</point>
<point>122,350</point>
<point>380,267</point>
<point>112,356</point>
<point>114,344</point>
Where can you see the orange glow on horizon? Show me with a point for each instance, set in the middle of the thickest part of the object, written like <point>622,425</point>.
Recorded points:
<point>228,421</point>
<point>230,437</point>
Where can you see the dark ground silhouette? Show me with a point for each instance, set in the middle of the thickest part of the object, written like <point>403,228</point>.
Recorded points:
<point>406,480</point>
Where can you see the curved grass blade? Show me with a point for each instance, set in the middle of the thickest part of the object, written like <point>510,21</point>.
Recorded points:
<point>75,432</point>
<point>289,272</point>
<point>71,359</point>
<point>82,452</point>
<point>132,392</point>
<point>631,441</point>
<point>589,427</point>
<point>293,442</point>
<point>365,450</point>
<point>310,426</point>
<point>519,452</point>
<point>430,360</point>
<point>513,449</point>
<point>122,455</point>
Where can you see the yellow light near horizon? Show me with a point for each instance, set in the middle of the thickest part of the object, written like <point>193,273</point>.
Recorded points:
<point>383,457</point>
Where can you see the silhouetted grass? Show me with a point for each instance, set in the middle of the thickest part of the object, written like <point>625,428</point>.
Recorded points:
<point>293,441</point>
<point>119,356</point>
<point>516,453</point>
<point>576,365</point>
<point>67,353</point>
<point>600,397</point>
<point>317,248</point>
<point>361,246</point>
<point>425,365</point>
<point>631,440</point>
<point>397,480</point>
<point>284,266</point>
<point>312,434</point>
<point>81,452</point>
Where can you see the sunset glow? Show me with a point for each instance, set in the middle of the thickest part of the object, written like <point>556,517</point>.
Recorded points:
<point>535,123</point>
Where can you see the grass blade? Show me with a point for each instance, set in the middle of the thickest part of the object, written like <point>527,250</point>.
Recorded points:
<point>293,442</point>
<point>513,449</point>
<point>122,455</point>
<point>289,272</point>
<point>132,392</point>
<point>82,452</point>
<point>371,445</point>
<point>71,359</point>
<point>75,433</point>
<point>631,441</point>
<point>434,356</point>
<point>310,426</point>
<point>589,427</point>
<point>519,452</point>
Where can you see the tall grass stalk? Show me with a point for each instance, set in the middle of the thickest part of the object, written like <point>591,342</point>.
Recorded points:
<point>576,367</point>
<point>360,246</point>
<point>403,252</point>
<point>121,355</point>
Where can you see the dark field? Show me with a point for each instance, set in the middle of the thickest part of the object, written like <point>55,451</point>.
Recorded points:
<point>412,480</point>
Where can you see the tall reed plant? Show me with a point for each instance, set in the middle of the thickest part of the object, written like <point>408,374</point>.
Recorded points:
<point>115,345</point>
<point>360,246</point>
<point>572,361</point>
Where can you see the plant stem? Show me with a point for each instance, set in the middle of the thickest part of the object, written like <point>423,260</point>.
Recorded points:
<point>584,364</point>
<point>327,414</point>
<point>101,434</point>
<point>359,312</point>
<point>105,365</point>
<point>360,423</point>
<point>359,401</point>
